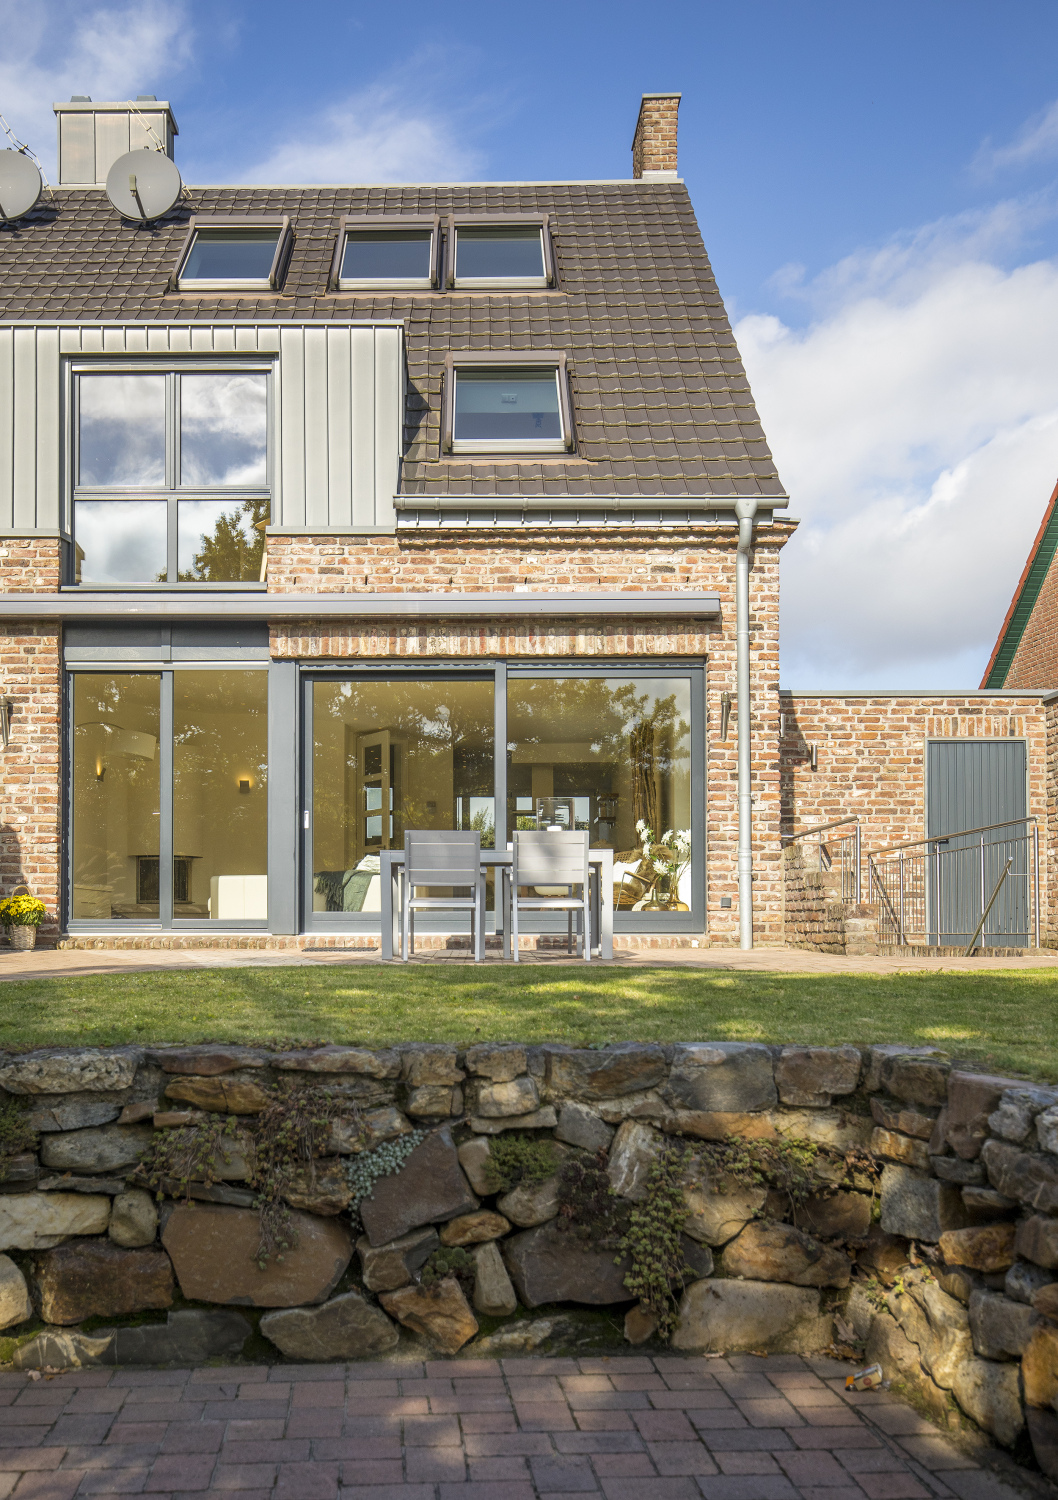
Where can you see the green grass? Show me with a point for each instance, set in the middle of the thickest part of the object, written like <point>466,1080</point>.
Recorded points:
<point>1001,1019</point>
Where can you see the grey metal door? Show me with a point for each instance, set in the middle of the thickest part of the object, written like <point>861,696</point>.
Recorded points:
<point>975,784</point>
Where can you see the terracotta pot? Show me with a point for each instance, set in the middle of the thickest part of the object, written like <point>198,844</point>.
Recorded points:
<point>22,937</point>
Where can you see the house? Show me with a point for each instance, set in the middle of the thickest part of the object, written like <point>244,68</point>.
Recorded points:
<point>328,512</point>
<point>1026,651</point>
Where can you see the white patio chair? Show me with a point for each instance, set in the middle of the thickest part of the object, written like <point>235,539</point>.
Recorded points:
<point>437,857</point>
<point>557,865</point>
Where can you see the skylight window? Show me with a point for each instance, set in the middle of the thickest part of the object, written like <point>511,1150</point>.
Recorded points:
<point>234,254</point>
<point>506,403</point>
<point>498,252</point>
<point>374,252</point>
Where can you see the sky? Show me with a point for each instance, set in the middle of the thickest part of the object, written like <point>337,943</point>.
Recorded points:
<point>877,187</point>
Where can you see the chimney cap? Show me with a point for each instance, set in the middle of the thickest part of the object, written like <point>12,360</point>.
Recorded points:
<point>146,98</point>
<point>80,98</point>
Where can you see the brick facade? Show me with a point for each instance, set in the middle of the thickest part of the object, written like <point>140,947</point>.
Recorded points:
<point>1035,663</point>
<point>30,813</point>
<point>654,143</point>
<point>30,564</point>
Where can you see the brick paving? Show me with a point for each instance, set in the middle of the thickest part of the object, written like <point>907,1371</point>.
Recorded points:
<point>622,1428</point>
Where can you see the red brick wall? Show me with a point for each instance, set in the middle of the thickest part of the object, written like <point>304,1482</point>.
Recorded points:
<point>1035,663</point>
<point>30,784</point>
<point>30,565</point>
<point>654,144</point>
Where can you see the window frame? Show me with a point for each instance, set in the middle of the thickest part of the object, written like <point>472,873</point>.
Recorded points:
<point>172,492</point>
<point>178,282</point>
<point>354,222</point>
<point>510,359</point>
<point>456,222</point>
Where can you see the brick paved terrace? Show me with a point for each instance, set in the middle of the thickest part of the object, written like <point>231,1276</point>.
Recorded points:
<point>623,1428</point>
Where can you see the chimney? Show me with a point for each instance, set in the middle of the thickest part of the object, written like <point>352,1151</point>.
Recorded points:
<point>654,143</point>
<point>93,136</point>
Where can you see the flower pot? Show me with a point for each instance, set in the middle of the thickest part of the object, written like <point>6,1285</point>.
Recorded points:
<point>22,937</point>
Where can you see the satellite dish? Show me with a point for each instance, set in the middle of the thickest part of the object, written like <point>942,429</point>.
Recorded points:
<point>20,184</point>
<point>143,185</point>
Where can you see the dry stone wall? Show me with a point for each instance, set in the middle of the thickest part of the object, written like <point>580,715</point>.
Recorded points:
<point>924,1235</point>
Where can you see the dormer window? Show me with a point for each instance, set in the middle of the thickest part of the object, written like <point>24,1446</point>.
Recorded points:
<point>506,403</point>
<point>234,254</point>
<point>378,253</point>
<point>499,252</point>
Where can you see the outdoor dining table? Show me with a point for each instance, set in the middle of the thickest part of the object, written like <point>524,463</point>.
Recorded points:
<point>502,861</point>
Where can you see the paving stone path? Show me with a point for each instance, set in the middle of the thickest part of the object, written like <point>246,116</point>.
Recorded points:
<point>625,1428</point>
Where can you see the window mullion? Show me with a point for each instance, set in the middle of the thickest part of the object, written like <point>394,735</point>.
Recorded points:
<point>499,759</point>
<point>165,802</point>
<point>172,478</point>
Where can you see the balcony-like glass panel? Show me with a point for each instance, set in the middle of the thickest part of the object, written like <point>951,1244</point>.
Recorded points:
<point>220,795</point>
<point>389,756</point>
<point>386,255</point>
<point>223,430</point>
<point>221,541</point>
<point>499,254</point>
<point>607,754</point>
<point>514,405</point>
<point>231,255</point>
<point>121,430</point>
<point>115,796</point>
<point>120,541</point>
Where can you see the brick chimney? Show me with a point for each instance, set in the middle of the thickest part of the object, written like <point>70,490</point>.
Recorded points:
<point>654,143</point>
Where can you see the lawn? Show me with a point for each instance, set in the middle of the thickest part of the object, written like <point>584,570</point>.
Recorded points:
<point>1001,1019</point>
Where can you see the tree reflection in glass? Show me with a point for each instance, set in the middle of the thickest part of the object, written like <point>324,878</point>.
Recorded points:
<point>219,542</point>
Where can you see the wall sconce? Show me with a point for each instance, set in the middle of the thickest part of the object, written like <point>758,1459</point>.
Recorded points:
<point>5,721</point>
<point>101,770</point>
<point>725,714</point>
<point>244,786</point>
<point>813,751</point>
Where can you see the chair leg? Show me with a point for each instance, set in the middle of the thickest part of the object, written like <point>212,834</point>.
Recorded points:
<point>404,922</point>
<point>569,933</point>
<point>587,930</point>
<point>514,922</point>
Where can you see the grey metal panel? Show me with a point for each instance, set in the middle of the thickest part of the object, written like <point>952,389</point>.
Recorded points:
<point>389,406</point>
<point>291,427</point>
<point>316,426</point>
<point>49,456</point>
<point>361,432</point>
<point>341,406</point>
<point>112,141</point>
<point>77,152</point>
<point>973,783</point>
<point>283,821</point>
<point>24,421</point>
<point>7,429</point>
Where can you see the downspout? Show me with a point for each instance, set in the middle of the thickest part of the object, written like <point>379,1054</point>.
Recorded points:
<point>746,511</point>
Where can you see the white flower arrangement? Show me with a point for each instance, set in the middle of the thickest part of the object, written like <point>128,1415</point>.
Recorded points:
<point>669,856</point>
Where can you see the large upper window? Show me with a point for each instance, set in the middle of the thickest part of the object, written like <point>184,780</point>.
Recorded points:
<point>506,403</point>
<point>171,475</point>
<point>499,252</point>
<point>237,254</point>
<point>377,252</point>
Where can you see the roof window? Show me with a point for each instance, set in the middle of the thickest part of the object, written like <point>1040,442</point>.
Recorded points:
<point>234,254</point>
<point>500,251</point>
<point>512,402</point>
<point>374,252</point>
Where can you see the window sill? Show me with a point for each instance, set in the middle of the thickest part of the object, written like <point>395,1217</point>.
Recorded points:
<point>162,588</point>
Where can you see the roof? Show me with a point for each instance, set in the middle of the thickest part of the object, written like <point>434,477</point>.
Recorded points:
<point>1025,596</point>
<point>661,400</point>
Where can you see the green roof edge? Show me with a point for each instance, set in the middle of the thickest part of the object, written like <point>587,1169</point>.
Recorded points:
<point>1025,597</point>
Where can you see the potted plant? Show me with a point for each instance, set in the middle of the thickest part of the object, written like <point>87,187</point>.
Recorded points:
<point>669,858</point>
<point>22,915</point>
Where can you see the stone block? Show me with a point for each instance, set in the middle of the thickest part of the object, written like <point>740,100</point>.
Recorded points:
<point>900,1148</point>
<point>879,1058</point>
<point>717,1125</point>
<point>918,1207</point>
<point>580,1126</point>
<point>434,1101</point>
<point>640,1324</point>
<point>106,1148</point>
<point>1039,1365</point>
<point>986,1203</point>
<point>548,1265</point>
<point>474,1229</point>
<point>517,1097</point>
<point>1000,1328</point>
<point>1036,1239</point>
<point>988,1394</point>
<point>938,1323</point>
<point>1017,1110</point>
<point>214,1253</point>
<point>473,1158</point>
<point>209,1061</point>
<point>71,1115</point>
<point>430,1188</point>
<point>191,1336</point>
<point>530,1203</point>
<point>779,1252</point>
<point>94,1278</point>
<point>631,1156</point>
<point>892,1114</point>
<point>23,1167</point>
<point>15,1306</point>
<point>226,1096</point>
<point>540,1119</point>
<point>811,1075</point>
<point>346,1327</point>
<point>750,1316</point>
<point>502,1062</point>
<point>917,1079</point>
<point>987,1248</point>
<point>734,1077</point>
<point>494,1295</point>
<point>348,1137</point>
<point>1047,1129</point>
<point>1043,1432</point>
<point>1024,1280</point>
<point>133,1219</point>
<point>606,1073</point>
<point>717,1209</point>
<point>385,1268</point>
<point>954,1169</point>
<point>320,1187</point>
<point>841,1215</point>
<point>972,1097</point>
<point>839,1128</point>
<point>86,1070</point>
<point>889,1346</point>
<point>1029,1176</point>
<point>385,1063</point>
<point>64,1351</point>
<point>424,1064</point>
<point>36,1221</point>
<point>440,1313</point>
<point>1045,1301</point>
<point>958,1281</point>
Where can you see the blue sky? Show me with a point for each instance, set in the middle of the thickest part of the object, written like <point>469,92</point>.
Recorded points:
<point>877,186</point>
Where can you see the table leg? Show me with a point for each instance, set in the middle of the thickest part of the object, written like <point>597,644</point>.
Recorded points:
<point>505,909</point>
<point>388,871</point>
<point>605,916</point>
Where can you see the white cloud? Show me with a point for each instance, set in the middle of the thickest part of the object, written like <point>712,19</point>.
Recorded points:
<point>915,423</point>
<point>55,48</point>
<point>1037,140</point>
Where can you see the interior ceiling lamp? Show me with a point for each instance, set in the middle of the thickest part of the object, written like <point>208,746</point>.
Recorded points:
<point>144,185</point>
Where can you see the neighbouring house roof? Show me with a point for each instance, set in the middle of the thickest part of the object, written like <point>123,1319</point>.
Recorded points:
<point>661,400</point>
<point>1025,600</point>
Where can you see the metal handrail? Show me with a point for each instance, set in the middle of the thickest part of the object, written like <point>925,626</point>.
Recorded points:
<point>940,838</point>
<point>790,838</point>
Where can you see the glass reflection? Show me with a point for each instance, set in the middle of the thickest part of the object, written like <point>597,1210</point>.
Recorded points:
<point>231,255</point>
<point>121,429</point>
<point>388,756</point>
<point>386,255</point>
<point>493,253</point>
<point>120,541</point>
<point>219,542</point>
<point>220,795</point>
<point>607,754</point>
<point>115,796</point>
<point>223,430</point>
<point>506,406</point>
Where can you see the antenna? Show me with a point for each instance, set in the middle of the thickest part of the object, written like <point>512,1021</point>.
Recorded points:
<point>21,178</point>
<point>144,185</point>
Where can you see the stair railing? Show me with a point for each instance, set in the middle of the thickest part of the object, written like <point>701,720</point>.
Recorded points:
<point>846,850</point>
